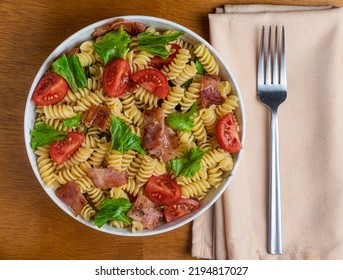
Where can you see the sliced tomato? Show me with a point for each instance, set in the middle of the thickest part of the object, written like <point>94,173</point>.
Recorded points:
<point>163,190</point>
<point>158,62</point>
<point>116,77</point>
<point>182,207</point>
<point>152,80</point>
<point>60,151</point>
<point>51,89</point>
<point>227,135</point>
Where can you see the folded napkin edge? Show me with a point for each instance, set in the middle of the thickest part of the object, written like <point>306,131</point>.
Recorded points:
<point>268,8</point>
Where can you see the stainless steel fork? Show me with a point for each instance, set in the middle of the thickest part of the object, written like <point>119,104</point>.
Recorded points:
<point>272,91</point>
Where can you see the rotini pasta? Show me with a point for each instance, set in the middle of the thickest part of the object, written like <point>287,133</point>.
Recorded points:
<point>206,59</point>
<point>59,112</point>
<point>178,64</point>
<point>196,189</point>
<point>187,73</point>
<point>175,95</point>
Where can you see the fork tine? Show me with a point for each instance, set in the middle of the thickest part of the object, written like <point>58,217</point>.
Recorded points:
<point>260,71</point>
<point>275,59</point>
<point>268,65</point>
<point>283,59</point>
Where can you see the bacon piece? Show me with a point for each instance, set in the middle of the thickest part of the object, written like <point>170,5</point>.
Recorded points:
<point>146,212</point>
<point>70,194</point>
<point>131,27</point>
<point>98,116</point>
<point>105,178</point>
<point>159,139</point>
<point>171,144</point>
<point>209,91</point>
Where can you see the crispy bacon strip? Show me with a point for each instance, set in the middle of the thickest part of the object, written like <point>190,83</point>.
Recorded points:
<point>131,27</point>
<point>105,178</point>
<point>209,91</point>
<point>98,116</point>
<point>70,194</point>
<point>146,212</point>
<point>159,139</point>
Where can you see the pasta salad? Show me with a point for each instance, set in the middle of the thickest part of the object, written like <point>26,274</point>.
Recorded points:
<point>134,126</point>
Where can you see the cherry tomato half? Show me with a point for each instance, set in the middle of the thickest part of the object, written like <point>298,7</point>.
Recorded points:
<point>162,190</point>
<point>227,135</point>
<point>116,77</point>
<point>180,208</point>
<point>51,89</point>
<point>60,151</point>
<point>152,80</point>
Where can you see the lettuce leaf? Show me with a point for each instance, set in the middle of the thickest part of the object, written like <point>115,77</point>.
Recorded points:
<point>70,68</point>
<point>113,45</point>
<point>122,138</point>
<point>113,209</point>
<point>44,134</point>
<point>180,121</point>
<point>72,122</point>
<point>156,44</point>
<point>187,165</point>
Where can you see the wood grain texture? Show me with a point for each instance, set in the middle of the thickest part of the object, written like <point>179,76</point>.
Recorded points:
<point>32,226</point>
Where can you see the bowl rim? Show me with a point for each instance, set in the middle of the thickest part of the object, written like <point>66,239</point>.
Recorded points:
<point>67,43</point>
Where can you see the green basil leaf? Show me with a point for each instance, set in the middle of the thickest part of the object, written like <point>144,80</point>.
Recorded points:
<point>180,121</point>
<point>70,68</point>
<point>122,138</point>
<point>187,165</point>
<point>156,44</point>
<point>44,134</point>
<point>113,45</point>
<point>113,209</point>
<point>72,122</point>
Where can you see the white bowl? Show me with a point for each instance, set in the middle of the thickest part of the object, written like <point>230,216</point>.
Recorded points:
<point>85,34</point>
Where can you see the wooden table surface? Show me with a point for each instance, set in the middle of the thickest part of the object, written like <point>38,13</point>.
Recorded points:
<point>32,226</point>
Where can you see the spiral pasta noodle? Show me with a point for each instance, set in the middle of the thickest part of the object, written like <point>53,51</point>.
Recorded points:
<point>135,115</point>
<point>146,98</point>
<point>209,119</point>
<point>98,155</point>
<point>132,188</point>
<point>187,73</point>
<point>46,167</point>
<point>231,103</point>
<point>93,98</point>
<point>85,184</point>
<point>199,130</point>
<point>192,95</point>
<point>146,170</point>
<point>96,196</point>
<point>175,95</point>
<point>70,174</point>
<point>86,59</point>
<point>206,59</point>
<point>178,64</point>
<point>59,112</point>
<point>87,212</point>
<point>196,189</point>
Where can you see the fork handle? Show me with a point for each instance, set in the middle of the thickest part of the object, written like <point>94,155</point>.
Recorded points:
<point>274,231</point>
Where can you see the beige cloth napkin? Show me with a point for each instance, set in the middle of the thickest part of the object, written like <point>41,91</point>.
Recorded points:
<point>311,138</point>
